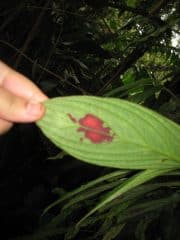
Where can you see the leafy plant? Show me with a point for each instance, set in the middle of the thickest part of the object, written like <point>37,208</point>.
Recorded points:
<point>122,49</point>
<point>112,133</point>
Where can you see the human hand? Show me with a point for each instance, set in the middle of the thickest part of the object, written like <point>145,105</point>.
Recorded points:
<point>20,99</point>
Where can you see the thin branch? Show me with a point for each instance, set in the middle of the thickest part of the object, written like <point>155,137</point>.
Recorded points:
<point>137,53</point>
<point>57,10</point>
<point>53,49</point>
<point>107,26</point>
<point>31,34</point>
<point>12,13</point>
<point>151,15</point>
<point>157,7</point>
<point>123,66</point>
<point>170,92</point>
<point>43,68</point>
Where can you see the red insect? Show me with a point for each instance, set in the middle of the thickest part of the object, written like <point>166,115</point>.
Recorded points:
<point>93,128</point>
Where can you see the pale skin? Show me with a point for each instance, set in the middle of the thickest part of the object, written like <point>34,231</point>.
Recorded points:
<point>21,101</point>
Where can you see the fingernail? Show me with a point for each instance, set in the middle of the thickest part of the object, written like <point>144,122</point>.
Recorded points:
<point>34,108</point>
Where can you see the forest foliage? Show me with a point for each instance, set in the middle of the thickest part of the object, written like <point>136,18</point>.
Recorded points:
<point>125,49</point>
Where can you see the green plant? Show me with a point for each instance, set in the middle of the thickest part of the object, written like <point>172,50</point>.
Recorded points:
<point>112,133</point>
<point>122,49</point>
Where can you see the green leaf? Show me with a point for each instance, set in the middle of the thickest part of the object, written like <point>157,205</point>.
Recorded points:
<point>72,194</point>
<point>129,87</point>
<point>111,132</point>
<point>113,232</point>
<point>127,185</point>
<point>132,3</point>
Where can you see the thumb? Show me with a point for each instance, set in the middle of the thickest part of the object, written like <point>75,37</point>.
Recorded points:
<point>17,109</point>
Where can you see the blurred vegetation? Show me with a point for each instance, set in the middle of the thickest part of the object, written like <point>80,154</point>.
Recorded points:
<point>125,49</point>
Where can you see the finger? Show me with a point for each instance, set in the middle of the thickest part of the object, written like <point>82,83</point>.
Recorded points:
<point>17,109</point>
<point>4,126</point>
<point>19,85</point>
